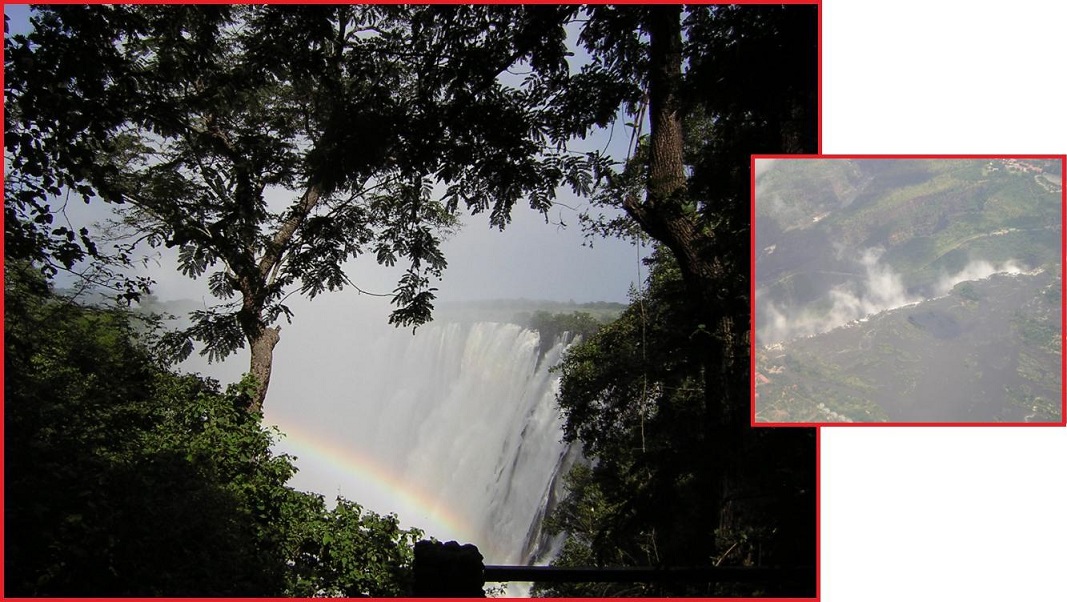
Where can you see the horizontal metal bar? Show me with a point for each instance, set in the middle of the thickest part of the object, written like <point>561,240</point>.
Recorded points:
<point>551,574</point>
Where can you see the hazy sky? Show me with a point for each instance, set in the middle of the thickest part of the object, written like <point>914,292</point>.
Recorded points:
<point>529,259</point>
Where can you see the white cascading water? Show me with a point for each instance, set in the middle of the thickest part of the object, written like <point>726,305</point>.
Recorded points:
<point>466,414</point>
<point>455,429</point>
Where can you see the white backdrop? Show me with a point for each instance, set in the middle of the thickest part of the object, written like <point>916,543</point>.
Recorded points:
<point>936,514</point>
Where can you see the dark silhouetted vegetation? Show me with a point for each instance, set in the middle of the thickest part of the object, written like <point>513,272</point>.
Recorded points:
<point>659,399</point>
<point>125,479</point>
<point>632,395</point>
<point>552,326</point>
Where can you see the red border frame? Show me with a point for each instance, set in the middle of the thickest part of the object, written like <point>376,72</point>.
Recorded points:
<point>819,146</point>
<point>752,291</point>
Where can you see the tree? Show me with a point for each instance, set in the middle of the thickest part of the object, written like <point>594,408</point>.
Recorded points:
<point>659,398</point>
<point>197,118</point>
<point>706,120</point>
<point>125,479</point>
<point>349,552</point>
<point>34,181</point>
<point>551,326</point>
<point>632,395</point>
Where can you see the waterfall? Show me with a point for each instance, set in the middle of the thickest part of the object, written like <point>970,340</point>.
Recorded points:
<point>455,428</point>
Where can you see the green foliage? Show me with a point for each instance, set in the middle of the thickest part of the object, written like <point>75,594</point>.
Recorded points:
<point>947,360</point>
<point>552,326</point>
<point>930,216</point>
<point>191,115</point>
<point>1038,331</point>
<point>633,396</point>
<point>124,479</point>
<point>349,552</point>
<point>582,516</point>
<point>966,291</point>
<point>630,357</point>
<point>346,116</point>
<point>658,398</point>
<point>1053,294</point>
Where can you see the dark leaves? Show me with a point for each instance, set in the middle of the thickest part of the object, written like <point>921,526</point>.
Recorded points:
<point>192,116</point>
<point>221,285</point>
<point>220,333</point>
<point>414,300</point>
<point>110,454</point>
<point>193,260</point>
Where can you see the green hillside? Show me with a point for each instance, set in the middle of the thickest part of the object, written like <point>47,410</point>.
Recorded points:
<point>930,216</point>
<point>988,352</point>
<point>853,262</point>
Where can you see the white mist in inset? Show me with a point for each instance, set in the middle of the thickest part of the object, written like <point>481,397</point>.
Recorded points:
<point>975,270</point>
<point>882,289</point>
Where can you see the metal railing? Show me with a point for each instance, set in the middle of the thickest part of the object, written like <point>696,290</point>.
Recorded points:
<point>641,574</point>
<point>449,570</point>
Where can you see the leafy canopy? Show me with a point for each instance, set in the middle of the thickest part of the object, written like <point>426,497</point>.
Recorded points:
<point>271,144</point>
<point>125,479</point>
<point>632,396</point>
<point>658,399</point>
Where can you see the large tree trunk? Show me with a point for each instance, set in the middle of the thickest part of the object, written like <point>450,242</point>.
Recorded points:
<point>723,319</point>
<point>255,280</point>
<point>261,340</point>
<point>667,215</point>
<point>666,177</point>
<point>260,365</point>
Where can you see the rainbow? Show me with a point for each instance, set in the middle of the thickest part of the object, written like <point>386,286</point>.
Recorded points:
<point>314,450</point>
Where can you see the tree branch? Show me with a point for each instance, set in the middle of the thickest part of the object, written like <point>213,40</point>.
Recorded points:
<point>276,246</point>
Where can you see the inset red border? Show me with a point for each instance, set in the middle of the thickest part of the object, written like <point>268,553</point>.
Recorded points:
<point>752,287</point>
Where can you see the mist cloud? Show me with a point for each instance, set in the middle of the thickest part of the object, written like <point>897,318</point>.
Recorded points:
<point>880,289</point>
<point>976,270</point>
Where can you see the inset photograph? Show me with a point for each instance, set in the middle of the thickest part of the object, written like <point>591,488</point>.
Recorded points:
<point>907,290</point>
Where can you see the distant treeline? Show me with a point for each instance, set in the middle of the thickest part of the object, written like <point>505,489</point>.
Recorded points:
<point>536,305</point>
<point>551,326</point>
<point>523,312</point>
<point>517,311</point>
